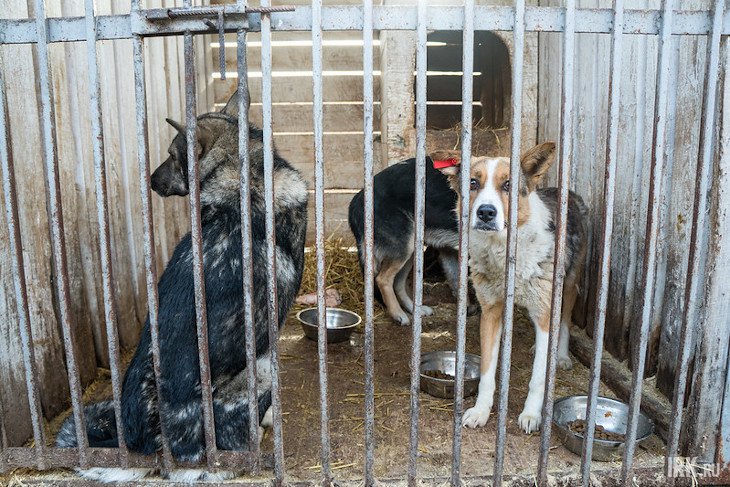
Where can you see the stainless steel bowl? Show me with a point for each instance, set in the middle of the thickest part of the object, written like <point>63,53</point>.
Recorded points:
<point>445,361</point>
<point>613,415</point>
<point>340,323</point>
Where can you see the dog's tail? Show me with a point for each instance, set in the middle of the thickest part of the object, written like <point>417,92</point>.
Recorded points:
<point>101,427</point>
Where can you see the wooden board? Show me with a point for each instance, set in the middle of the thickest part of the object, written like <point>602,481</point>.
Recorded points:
<point>298,117</point>
<point>298,88</point>
<point>336,204</point>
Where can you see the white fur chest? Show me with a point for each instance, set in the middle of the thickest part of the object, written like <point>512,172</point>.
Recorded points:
<point>535,245</point>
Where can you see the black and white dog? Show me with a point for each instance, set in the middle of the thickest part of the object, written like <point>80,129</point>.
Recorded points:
<point>179,407</point>
<point>393,202</point>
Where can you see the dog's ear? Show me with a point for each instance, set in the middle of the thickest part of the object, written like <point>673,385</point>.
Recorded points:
<point>536,162</point>
<point>447,161</point>
<point>176,125</point>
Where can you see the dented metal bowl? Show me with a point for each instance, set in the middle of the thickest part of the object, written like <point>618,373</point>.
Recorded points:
<point>340,323</point>
<point>613,415</point>
<point>445,362</point>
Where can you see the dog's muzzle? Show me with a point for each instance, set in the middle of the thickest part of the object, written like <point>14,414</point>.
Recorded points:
<point>486,218</point>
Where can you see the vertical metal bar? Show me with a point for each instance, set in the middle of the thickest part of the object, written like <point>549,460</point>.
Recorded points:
<point>515,170</point>
<point>222,44</point>
<point>102,211</point>
<point>369,345</point>
<point>694,279</point>
<point>420,183</point>
<point>201,315</point>
<point>604,256</point>
<point>147,225</point>
<point>244,100</point>
<point>58,241</point>
<point>271,242</point>
<point>319,237</point>
<point>467,98</point>
<point>18,267</point>
<point>566,157</point>
<point>3,441</point>
<point>652,226</point>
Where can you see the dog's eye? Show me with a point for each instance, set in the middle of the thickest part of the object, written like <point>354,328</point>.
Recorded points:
<point>473,185</point>
<point>505,186</point>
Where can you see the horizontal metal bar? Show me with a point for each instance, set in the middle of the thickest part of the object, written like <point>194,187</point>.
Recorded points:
<point>385,17</point>
<point>17,457</point>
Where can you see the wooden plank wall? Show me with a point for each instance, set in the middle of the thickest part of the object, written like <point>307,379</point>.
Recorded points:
<point>636,125</point>
<point>292,109</point>
<point>165,92</point>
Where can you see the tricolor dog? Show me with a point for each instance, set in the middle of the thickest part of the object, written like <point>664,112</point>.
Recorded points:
<point>536,217</point>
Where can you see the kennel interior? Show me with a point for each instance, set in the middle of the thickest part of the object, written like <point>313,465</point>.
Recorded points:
<point>689,63</point>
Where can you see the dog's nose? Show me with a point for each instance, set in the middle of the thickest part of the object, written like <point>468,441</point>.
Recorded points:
<point>487,213</point>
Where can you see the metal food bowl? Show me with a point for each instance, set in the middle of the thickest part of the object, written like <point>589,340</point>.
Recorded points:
<point>613,415</point>
<point>340,323</point>
<point>445,362</point>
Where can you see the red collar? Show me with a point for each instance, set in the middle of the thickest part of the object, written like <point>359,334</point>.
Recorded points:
<point>445,163</point>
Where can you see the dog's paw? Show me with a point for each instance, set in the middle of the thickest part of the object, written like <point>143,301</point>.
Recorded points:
<point>426,310</point>
<point>402,319</point>
<point>529,421</point>
<point>564,363</point>
<point>475,417</point>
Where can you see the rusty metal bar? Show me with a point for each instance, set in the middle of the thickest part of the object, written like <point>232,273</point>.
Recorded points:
<point>418,224</point>
<point>659,142</point>
<point>693,285</point>
<point>564,163</point>
<point>317,113</point>
<point>467,97</point>
<point>201,314</point>
<point>515,170</point>
<point>3,441</point>
<point>273,311</point>
<point>369,281</point>
<point>18,268</point>
<point>604,256</point>
<point>102,213</point>
<point>147,225</point>
<point>385,17</point>
<point>244,100</point>
<point>58,240</point>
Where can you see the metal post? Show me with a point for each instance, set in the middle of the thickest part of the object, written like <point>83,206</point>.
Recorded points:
<point>369,344</point>
<point>467,99</point>
<point>515,170</point>
<point>564,163</point>
<point>652,226</point>
<point>604,256</point>
<point>420,184</point>
<point>18,268</point>
<point>273,312</point>
<point>244,101</point>
<point>147,225</point>
<point>102,212</point>
<point>58,240</point>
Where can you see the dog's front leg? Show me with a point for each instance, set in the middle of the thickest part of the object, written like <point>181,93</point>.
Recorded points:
<point>531,415</point>
<point>490,326</point>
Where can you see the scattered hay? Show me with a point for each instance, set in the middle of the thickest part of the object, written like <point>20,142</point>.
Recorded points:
<point>342,272</point>
<point>486,141</point>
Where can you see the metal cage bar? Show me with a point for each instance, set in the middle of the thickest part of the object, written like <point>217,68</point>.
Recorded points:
<point>273,312</point>
<point>418,228</point>
<point>148,226</point>
<point>652,229</point>
<point>368,277</point>
<point>317,113</point>
<point>102,211</point>
<point>58,240</point>
<point>564,162</point>
<point>201,314</point>
<point>467,97</point>
<point>604,255</point>
<point>249,325</point>
<point>699,218</point>
<point>515,171</point>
